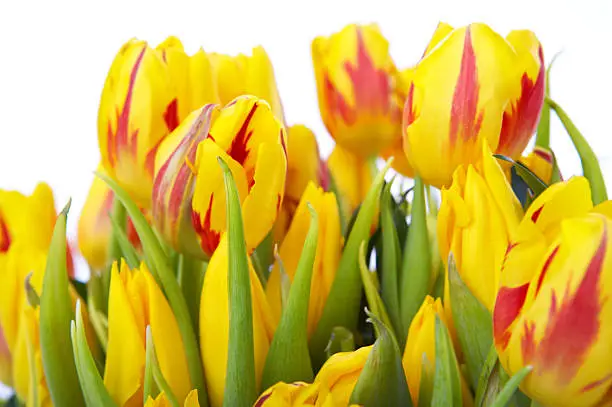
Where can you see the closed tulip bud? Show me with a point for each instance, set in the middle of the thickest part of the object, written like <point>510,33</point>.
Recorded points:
<point>162,401</point>
<point>95,227</point>
<point>135,302</point>
<point>419,358</point>
<point>214,323</point>
<point>329,247</point>
<point>478,210</point>
<point>359,99</point>
<point>138,108</point>
<point>471,85</point>
<point>246,75</point>
<point>551,309</point>
<point>541,162</point>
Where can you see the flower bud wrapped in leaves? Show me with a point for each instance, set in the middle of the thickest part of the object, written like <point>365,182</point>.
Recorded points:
<point>359,99</point>
<point>189,196</point>
<point>135,302</point>
<point>541,162</point>
<point>138,108</point>
<point>471,84</point>
<point>551,309</point>
<point>328,252</point>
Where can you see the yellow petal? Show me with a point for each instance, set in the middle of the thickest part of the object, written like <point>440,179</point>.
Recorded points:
<point>202,80</point>
<point>442,31</point>
<point>173,55</point>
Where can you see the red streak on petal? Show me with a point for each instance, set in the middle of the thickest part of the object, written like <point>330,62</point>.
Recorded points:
<point>536,214</point>
<point>279,201</point>
<point>239,150</point>
<point>528,345</point>
<point>544,154</point>
<point>209,239</point>
<point>323,175</point>
<point>547,264</point>
<point>171,115</point>
<point>283,143</point>
<point>409,114</point>
<point>573,327</point>
<point>596,383</point>
<point>604,401</point>
<point>132,234</point>
<point>519,124</point>
<point>465,119</point>
<point>508,306</point>
<point>120,139</point>
<point>5,236</point>
<point>336,102</point>
<point>262,400</point>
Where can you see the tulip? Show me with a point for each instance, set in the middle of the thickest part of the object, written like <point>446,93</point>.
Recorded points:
<point>189,195</point>
<point>359,99</point>
<point>478,210</point>
<point>135,302</point>
<point>551,308</point>
<point>352,177</point>
<point>282,394</point>
<point>541,162</point>
<point>95,227</point>
<point>304,165</point>
<point>471,85</point>
<point>329,246</point>
<point>246,75</point>
<point>5,360</point>
<point>162,401</point>
<point>138,108</point>
<point>214,323</point>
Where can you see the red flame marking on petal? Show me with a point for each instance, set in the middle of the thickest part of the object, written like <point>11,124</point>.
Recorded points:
<point>5,236</point>
<point>171,115</point>
<point>262,400</point>
<point>547,264</point>
<point>510,301</point>
<point>544,154</point>
<point>594,384</point>
<point>536,214</point>
<point>528,345</point>
<point>239,150</point>
<point>409,114</point>
<point>209,239</point>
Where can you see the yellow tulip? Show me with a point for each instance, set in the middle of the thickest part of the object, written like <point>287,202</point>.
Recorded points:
<point>189,193</point>
<point>471,85</point>
<point>214,323</point>
<point>541,162</point>
<point>95,228</point>
<point>329,248</point>
<point>304,165</point>
<point>135,302</point>
<point>352,177</point>
<point>552,305</point>
<point>357,86</point>
<point>478,210</point>
<point>138,108</point>
<point>246,75</point>
<point>162,401</point>
<point>298,394</point>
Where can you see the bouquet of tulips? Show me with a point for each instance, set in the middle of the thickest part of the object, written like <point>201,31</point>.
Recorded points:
<point>232,266</point>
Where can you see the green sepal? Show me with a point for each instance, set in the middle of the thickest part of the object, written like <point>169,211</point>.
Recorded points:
<point>55,316</point>
<point>447,378</point>
<point>341,340</point>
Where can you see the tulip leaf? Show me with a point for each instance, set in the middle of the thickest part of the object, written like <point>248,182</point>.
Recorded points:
<point>472,321</point>
<point>290,340</point>
<point>154,381</point>
<point>94,391</point>
<point>534,182</point>
<point>342,308</point>
<point>341,340</point>
<point>97,318</point>
<point>158,264</point>
<point>588,158</point>
<point>382,381</point>
<point>124,246</point>
<point>390,258</point>
<point>55,316</point>
<point>511,386</point>
<point>492,380</point>
<point>191,278</point>
<point>543,131</point>
<point>370,283</point>
<point>447,379</point>
<point>426,385</point>
<point>240,387</point>
<point>416,274</point>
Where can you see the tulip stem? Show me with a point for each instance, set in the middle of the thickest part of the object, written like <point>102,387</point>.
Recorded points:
<point>590,163</point>
<point>543,132</point>
<point>191,277</point>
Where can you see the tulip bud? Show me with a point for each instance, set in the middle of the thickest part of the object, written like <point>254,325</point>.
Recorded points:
<point>541,162</point>
<point>359,99</point>
<point>136,301</point>
<point>162,401</point>
<point>471,85</point>
<point>138,108</point>
<point>551,308</point>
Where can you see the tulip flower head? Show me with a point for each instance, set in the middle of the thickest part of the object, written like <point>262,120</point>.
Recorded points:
<point>471,85</point>
<point>551,309</point>
<point>541,162</point>
<point>189,193</point>
<point>359,99</point>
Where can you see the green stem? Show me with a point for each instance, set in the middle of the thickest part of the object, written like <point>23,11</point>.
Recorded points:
<point>191,277</point>
<point>114,249</point>
<point>590,163</point>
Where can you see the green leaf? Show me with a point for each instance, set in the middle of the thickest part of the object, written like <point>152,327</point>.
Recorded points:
<point>492,380</point>
<point>382,381</point>
<point>55,316</point>
<point>240,387</point>
<point>370,284</point>
<point>426,386</point>
<point>92,384</point>
<point>534,182</point>
<point>416,274</point>
<point>98,319</point>
<point>157,261</point>
<point>543,132</point>
<point>191,278</point>
<point>153,371</point>
<point>390,259</point>
<point>447,379</point>
<point>124,246</point>
<point>472,321</point>
<point>290,342</point>
<point>345,294</point>
<point>341,340</point>
<point>590,163</point>
<point>511,386</point>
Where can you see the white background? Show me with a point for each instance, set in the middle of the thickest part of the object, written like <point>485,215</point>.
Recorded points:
<point>55,55</point>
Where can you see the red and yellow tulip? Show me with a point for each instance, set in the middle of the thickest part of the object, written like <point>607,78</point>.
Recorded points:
<point>471,85</point>
<point>552,308</point>
<point>359,96</point>
<point>541,162</point>
<point>189,195</point>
